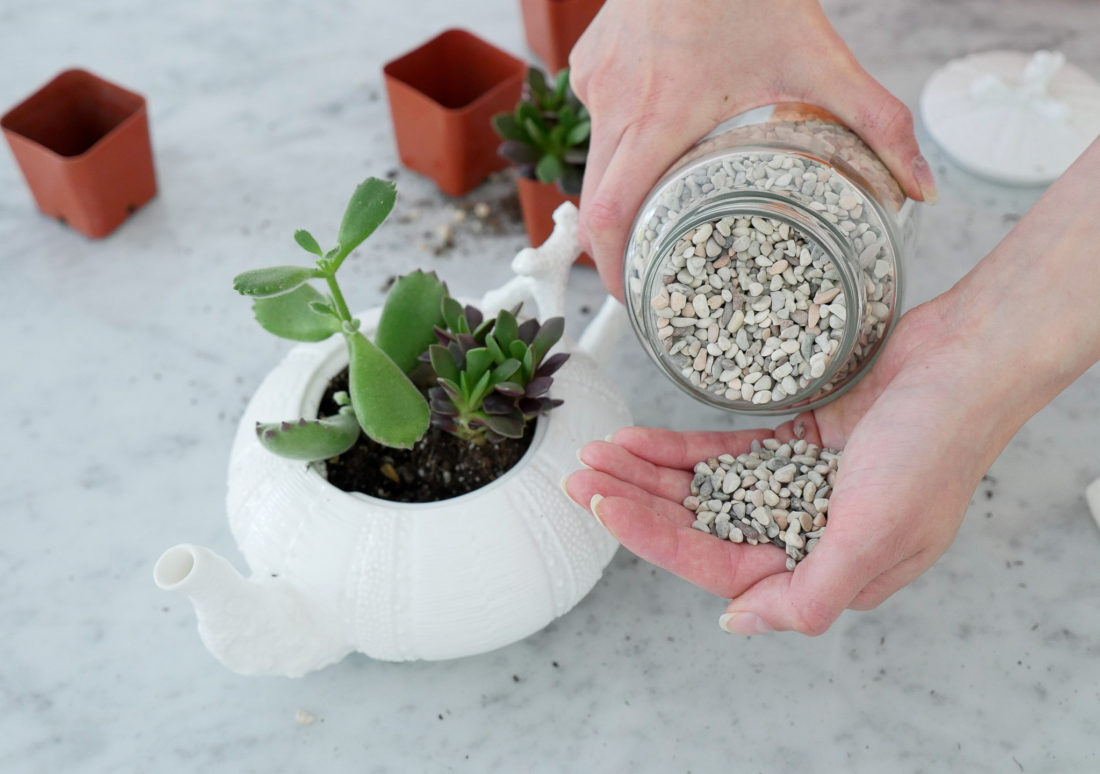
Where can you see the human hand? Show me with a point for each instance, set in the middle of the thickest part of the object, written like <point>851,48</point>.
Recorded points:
<point>915,444</point>
<point>658,75</point>
<point>955,381</point>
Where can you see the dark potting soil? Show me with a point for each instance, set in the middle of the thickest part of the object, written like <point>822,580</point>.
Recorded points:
<point>440,466</point>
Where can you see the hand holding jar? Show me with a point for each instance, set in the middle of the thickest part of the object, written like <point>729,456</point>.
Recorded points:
<point>657,75</point>
<point>955,381</point>
<point>918,416</point>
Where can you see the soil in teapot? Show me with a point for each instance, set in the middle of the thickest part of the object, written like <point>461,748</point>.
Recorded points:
<point>439,467</point>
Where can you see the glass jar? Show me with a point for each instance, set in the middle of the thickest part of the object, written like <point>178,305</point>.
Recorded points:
<point>763,272</point>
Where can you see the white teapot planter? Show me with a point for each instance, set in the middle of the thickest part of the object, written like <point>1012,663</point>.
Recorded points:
<point>335,572</point>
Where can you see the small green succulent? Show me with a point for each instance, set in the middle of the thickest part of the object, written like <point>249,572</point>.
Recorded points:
<point>493,375</point>
<point>485,379</point>
<point>547,134</point>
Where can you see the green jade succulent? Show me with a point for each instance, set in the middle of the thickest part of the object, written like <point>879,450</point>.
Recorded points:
<point>547,134</point>
<point>485,379</point>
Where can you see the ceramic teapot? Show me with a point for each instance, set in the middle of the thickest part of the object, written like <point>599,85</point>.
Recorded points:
<point>335,572</point>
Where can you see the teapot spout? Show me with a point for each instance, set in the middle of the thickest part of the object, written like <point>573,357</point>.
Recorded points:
<point>256,626</point>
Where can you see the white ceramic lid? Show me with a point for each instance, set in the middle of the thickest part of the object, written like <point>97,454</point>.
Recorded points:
<point>1011,116</point>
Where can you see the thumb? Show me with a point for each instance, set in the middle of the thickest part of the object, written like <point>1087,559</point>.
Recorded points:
<point>614,191</point>
<point>886,125</point>
<point>807,600</point>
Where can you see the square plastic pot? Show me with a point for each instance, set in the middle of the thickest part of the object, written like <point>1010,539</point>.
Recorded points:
<point>537,201</point>
<point>83,146</point>
<point>442,97</point>
<point>553,26</point>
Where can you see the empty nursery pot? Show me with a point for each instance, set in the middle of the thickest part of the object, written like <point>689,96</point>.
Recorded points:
<point>553,27</point>
<point>537,201</point>
<point>442,97</point>
<point>83,146</point>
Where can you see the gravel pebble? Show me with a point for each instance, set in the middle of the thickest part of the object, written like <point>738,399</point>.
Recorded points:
<point>761,485</point>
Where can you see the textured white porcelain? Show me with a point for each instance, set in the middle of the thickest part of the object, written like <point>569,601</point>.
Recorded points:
<point>334,572</point>
<point>1092,496</point>
<point>1010,116</point>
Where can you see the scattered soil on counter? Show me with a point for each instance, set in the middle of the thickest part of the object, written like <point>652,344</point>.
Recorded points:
<point>492,209</point>
<point>440,466</point>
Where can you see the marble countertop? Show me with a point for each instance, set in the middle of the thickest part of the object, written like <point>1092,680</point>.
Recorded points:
<point>127,363</point>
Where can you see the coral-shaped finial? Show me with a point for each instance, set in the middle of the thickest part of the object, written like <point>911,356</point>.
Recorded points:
<point>541,272</point>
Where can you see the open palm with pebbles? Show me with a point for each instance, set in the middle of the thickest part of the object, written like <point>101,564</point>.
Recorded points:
<point>912,457</point>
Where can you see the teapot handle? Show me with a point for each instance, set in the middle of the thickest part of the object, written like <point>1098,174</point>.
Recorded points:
<point>541,276</point>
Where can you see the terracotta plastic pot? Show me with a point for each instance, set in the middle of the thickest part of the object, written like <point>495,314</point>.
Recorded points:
<point>553,26</point>
<point>443,96</point>
<point>83,146</point>
<point>538,201</point>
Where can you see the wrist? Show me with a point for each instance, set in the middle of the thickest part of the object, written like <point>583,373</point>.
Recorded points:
<point>1027,310</point>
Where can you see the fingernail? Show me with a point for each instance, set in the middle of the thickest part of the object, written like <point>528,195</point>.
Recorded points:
<point>593,503</point>
<point>744,623</point>
<point>609,438</point>
<point>581,459</point>
<point>564,481</point>
<point>923,173</point>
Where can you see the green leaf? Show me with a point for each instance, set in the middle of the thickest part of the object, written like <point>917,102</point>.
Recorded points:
<point>537,129</point>
<point>567,118</point>
<point>518,350</point>
<point>527,365</point>
<point>505,370</point>
<point>477,363</point>
<point>370,204</point>
<point>557,136</point>
<point>494,349</point>
<point>547,336</point>
<point>443,363</point>
<point>292,315</point>
<point>480,390</point>
<point>505,329</point>
<point>272,281</point>
<point>526,112</point>
<point>507,127</point>
<point>306,241</point>
<point>579,133</point>
<point>317,439</point>
<point>453,313</point>
<point>412,310</point>
<point>537,81</point>
<point>454,392</point>
<point>548,169</point>
<point>511,389</point>
<point>561,83</point>
<point>389,407</point>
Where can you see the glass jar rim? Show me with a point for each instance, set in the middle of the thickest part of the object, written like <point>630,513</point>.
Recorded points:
<point>803,219</point>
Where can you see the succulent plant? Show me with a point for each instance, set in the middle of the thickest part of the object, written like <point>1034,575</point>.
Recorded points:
<point>484,379</point>
<point>493,375</point>
<point>547,134</point>
<point>386,404</point>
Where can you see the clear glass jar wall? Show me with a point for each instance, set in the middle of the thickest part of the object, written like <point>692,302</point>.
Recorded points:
<point>763,272</point>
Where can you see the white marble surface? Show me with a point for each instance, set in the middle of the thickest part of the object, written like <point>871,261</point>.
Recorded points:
<point>126,363</point>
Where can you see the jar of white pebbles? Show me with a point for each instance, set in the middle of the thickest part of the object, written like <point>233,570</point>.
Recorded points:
<point>763,272</point>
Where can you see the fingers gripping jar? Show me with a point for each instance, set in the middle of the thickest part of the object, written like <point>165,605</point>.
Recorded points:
<point>763,272</point>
